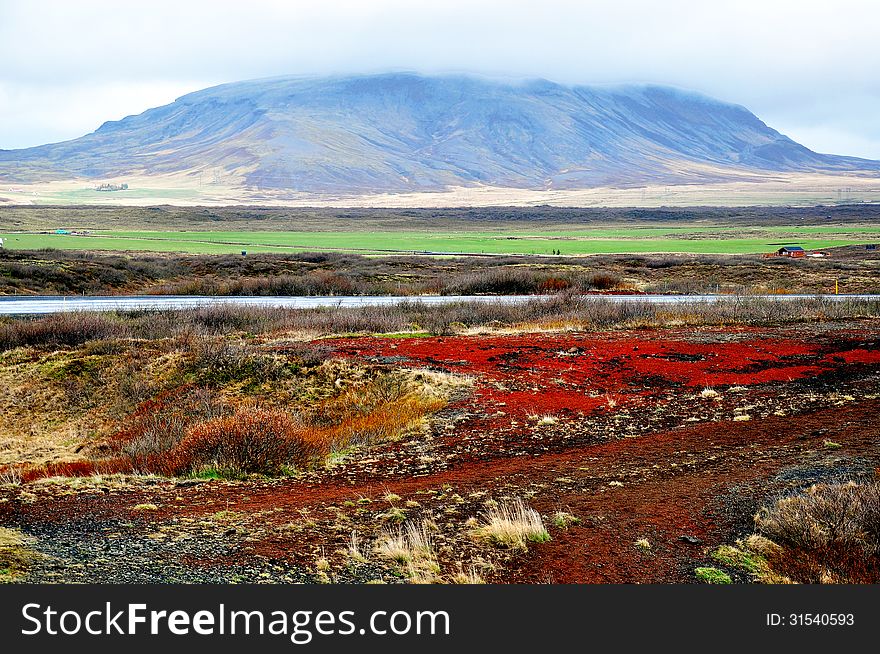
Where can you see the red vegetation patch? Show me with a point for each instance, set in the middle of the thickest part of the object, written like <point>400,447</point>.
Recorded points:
<point>862,356</point>
<point>536,403</point>
<point>565,375</point>
<point>77,469</point>
<point>534,374</point>
<point>553,284</point>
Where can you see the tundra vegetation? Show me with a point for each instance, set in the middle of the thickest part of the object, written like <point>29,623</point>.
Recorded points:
<point>324,251</point>
<point>69,272</point>
<point>826,533</point>
<point>567,438</point>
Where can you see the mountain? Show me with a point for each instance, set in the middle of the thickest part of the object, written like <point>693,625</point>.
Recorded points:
<point>407,132</point>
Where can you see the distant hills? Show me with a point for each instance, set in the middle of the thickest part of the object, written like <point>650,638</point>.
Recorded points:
<point>407,132</point>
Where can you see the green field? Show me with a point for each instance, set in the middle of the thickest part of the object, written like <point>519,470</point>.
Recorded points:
<point>707,240</point>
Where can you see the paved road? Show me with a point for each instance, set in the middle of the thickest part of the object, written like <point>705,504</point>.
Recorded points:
<point>35,305</point>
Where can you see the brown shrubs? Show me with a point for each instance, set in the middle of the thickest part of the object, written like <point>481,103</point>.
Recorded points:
<point>60,329</point>
<point>564,308</point>
<point>828,534</point>
<point>250,441</point>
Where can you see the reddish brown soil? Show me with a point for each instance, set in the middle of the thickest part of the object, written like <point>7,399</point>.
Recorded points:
<point>635,452</point>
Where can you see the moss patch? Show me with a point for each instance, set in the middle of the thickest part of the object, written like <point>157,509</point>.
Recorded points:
<point>15,554</point>
<point>712,576</point>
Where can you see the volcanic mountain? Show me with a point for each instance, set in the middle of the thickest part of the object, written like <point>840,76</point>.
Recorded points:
<point>408,132</point>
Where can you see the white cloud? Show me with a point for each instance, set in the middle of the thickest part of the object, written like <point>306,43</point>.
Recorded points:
<point>830,139</point>
<point>808,63</point>
<point>35,114</point>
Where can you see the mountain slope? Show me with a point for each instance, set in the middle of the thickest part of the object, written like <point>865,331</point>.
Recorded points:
<point>405,132</point>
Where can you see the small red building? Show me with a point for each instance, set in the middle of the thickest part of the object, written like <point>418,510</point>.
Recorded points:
<point>794,251</point>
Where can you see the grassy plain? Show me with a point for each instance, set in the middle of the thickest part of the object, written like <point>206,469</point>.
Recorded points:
<point>608,240</point>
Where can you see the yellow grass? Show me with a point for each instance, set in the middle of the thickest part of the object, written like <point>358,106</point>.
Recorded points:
<point>512,525</point>
<point>748,188</point>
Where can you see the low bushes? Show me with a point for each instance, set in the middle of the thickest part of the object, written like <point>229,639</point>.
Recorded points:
<point>193,429</point>
<point>160,424</point>
<point>216,362</point>
<point>604,281</point>
<point>526,281</point>
<point>565,308</point>
<point>826,514</point>
<point>61,329</point>
<point>828,534</point>
<point>250,441</point>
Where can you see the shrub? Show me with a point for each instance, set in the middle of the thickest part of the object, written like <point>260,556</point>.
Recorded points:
<point>159,424</point>
<point>828,534</point>
<point>496,280</point>
<point>826,514</point>
<point>553,285</point>
<point>60,329</point>
<point>250,441</point>
<point>564,308</point>
<point>604,281</point>
<point>217,362</point>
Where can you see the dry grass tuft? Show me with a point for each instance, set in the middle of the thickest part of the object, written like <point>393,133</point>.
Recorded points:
<point>406,544</point>
<point>411,547</point>
<point>10,476</point>
<point>512,525</point>
<point>354,549</point>
<point>469,577</point>
<point>145,507</point>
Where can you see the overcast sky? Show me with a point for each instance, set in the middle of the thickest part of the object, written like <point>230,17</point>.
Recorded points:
<point>809,68</point>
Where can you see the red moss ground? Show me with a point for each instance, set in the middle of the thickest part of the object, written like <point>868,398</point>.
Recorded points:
<point>633,449</point>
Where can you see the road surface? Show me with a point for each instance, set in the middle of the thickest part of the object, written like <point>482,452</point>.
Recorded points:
<point>36,305</point>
